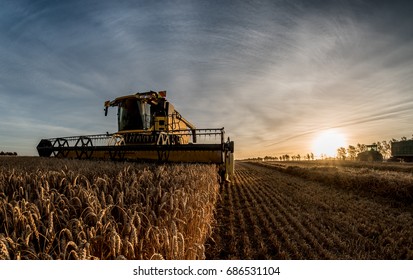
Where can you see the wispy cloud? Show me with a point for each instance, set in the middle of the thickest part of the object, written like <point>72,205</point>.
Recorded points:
<point>273,73</point>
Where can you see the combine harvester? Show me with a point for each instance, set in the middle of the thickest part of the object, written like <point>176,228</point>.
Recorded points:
<point>149,129</point>
<point>371,154</point>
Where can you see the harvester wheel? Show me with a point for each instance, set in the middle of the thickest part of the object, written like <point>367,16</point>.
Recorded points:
<point>117,141</point>
<point>60,143</point>
<point>44,148</point>
<point>84,141</point>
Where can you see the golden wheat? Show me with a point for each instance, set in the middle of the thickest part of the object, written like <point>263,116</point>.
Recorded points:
<point>64,209</point>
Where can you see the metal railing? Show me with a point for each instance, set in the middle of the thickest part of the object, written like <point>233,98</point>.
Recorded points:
<point>199,136</point>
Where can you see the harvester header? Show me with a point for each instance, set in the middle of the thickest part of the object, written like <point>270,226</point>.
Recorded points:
<point>149,129</point>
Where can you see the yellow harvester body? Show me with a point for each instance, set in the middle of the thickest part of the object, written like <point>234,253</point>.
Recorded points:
<point>149,129</point>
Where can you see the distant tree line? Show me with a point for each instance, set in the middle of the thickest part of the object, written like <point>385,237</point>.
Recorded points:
<point>285,157</point>
<point>343,153</point>
<point>8,153</point>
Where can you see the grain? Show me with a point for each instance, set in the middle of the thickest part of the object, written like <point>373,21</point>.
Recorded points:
<point>69,209</point>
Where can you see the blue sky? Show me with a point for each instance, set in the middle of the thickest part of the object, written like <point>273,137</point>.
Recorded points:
<point>275,74</point>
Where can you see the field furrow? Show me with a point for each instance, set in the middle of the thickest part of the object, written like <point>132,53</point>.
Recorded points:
<point>281,216</point>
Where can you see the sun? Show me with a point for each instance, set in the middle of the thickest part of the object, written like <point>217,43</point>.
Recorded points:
<point>327,143</point>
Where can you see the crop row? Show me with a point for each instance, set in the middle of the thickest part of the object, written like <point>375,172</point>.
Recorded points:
<point>269,214</point>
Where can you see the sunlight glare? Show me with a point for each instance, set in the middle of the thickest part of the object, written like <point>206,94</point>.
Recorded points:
<point>327,143</point>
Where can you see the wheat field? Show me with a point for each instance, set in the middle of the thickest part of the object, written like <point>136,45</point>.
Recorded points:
<point>67,209</point>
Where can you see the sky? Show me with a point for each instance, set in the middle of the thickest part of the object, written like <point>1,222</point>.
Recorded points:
<point>276,74</point>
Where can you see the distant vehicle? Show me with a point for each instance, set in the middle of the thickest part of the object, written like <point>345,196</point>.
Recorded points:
<point>372,154</point>
<point>402,151</point>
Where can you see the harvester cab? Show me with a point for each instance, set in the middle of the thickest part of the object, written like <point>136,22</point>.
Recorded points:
<point>150,113</point>
<point>149,129</point>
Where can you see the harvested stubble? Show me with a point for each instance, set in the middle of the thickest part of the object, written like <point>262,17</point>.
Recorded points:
<point>274,214</point>
<point>65,209</point>
<point>396,186</point>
